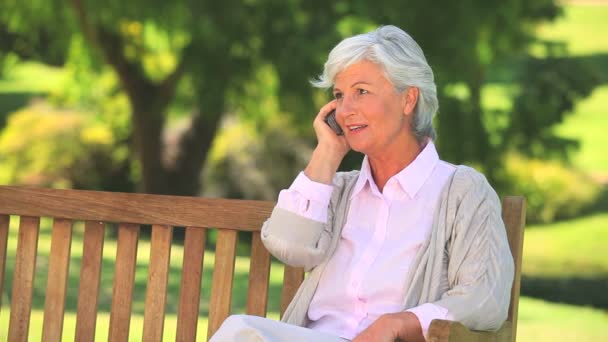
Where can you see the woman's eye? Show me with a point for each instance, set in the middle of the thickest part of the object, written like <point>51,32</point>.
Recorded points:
<point>362,91</point>
<point>337,96</point>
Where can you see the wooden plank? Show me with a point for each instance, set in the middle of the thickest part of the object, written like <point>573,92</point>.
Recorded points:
<point>223,274</point>
<point>56,287</point>
<point>514,217</point>
<point>23,280</point>
<point>134,208</point>
<point>124,277</point>
<point>158,275</point>
<point>90,275</point>
<point>451,331</point>
<point>4,223</point>
<point>259,272</point>
<point>190,289</point>
<point>292,278</point>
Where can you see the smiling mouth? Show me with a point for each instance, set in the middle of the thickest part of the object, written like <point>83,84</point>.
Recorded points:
<point>355,128</point>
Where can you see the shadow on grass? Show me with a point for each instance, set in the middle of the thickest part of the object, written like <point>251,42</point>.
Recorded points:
<point>569,290</point>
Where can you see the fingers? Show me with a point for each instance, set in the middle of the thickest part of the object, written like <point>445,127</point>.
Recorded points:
<point>325,110</point>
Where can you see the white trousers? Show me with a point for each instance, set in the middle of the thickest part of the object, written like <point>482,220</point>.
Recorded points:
<point>244,328</point>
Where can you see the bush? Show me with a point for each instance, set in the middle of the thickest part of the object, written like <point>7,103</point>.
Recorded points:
<point>44,146</point>
<point>552,190</point>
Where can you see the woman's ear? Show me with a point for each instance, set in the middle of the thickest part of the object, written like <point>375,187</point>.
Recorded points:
<point>410,98</point>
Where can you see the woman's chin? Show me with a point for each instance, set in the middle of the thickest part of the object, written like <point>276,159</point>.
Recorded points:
<point>359,148</point>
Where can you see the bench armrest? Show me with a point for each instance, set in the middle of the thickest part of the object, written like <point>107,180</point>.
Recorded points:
<point>444,331</point>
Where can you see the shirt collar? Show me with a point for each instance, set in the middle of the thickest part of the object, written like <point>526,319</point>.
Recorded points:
<point>411,178</point>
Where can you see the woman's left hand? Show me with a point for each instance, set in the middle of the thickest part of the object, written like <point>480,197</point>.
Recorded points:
<point>382,330</point>
<point>391,327</point>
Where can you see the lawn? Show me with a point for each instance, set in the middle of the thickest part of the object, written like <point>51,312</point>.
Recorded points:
<point>109,253</point>
<point>583,27</point>
<point>570,248</point>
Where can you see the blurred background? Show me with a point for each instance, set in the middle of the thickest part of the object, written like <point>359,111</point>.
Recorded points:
<point>211,98</point>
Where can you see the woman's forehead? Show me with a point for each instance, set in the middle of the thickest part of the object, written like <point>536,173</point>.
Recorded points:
<point>361,72</point>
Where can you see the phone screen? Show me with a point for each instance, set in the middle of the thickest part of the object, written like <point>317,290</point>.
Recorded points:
<point>330,119</point>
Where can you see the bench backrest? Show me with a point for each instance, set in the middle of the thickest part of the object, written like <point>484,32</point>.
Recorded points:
<point>163,213</point>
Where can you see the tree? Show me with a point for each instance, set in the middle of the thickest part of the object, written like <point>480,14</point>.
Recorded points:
<point>205,52</point>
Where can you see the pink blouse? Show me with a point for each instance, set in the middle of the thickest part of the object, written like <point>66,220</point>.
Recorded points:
<point>365,277</point>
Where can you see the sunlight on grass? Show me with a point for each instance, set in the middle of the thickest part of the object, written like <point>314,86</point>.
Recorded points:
<point>589,124</point>
<point>106,283</point>
<point>569,248</point>
<point>31,77</point>
<point>543,321</point>
<point>583,27</point>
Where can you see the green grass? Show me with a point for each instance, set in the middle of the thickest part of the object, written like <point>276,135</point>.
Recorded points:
<point>565,249</point>
<point>570,248</point>
<point>543,321</point>
<point>582,27</point>
<point>31,77</point>
<point>105,296</point>
<point>589,125</point>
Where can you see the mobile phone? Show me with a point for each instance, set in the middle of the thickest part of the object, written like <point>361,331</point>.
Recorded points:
<point>330,120</point>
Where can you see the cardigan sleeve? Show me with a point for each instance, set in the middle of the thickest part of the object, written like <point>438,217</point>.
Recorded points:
<point>480,265</point>
<point>302,242</point>
<point>295,240</point>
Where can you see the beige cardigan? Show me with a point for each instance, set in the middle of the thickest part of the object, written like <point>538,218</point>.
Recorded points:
<point>465,266</point>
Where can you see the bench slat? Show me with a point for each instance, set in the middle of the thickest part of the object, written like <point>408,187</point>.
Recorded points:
<point>223,274</point>
<point>292,278</point>
<point>59,262</point>
<point>4,223</point>
<point>135,208</point>
<point>156,290</point>
<point>259,272</point>
<point>90,275</point>
<point>190,288</point>
<point>514,216</point>
<point>124,276</point>
<point>23,281</point>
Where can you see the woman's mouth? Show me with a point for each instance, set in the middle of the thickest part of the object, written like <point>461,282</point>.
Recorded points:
<point>356,128</point>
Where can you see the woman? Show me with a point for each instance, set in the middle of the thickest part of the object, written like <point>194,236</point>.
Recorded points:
<point>407,239</point>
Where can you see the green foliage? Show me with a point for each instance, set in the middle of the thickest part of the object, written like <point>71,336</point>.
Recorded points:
<point>34,29</point>
<point>255,164</point>
<point>582,27</point>
<point>198,60</point>
<point>550,89</point>
<point>45,146</point>
<point>552,190</point>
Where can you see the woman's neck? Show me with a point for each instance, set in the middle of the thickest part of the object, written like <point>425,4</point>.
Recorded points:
<point>386,165</point>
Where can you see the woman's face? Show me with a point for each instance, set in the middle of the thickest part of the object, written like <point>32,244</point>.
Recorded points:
<point>371,112</point>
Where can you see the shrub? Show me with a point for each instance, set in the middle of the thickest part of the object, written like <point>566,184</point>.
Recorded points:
<point>552,190</point>
<point>44,146</point>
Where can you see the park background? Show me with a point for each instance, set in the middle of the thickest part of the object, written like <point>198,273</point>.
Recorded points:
<point>212,99</point>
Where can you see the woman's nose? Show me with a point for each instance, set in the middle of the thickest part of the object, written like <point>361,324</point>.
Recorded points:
<point>345,108</point>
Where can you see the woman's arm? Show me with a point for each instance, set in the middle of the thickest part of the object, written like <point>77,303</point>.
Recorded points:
<point>291,234</point>
<point>400,326</point>
<point>480,266</point>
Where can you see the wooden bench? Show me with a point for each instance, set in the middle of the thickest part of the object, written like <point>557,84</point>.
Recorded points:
<point>163,213</point>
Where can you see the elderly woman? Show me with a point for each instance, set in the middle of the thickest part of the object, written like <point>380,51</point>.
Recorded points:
<point>407,239</point>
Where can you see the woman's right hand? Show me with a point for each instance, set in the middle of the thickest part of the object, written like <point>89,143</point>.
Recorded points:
<point>331,149</point>
<point>326,137</point>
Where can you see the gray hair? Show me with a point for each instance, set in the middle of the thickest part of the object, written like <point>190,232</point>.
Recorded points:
<point>404,65</point>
